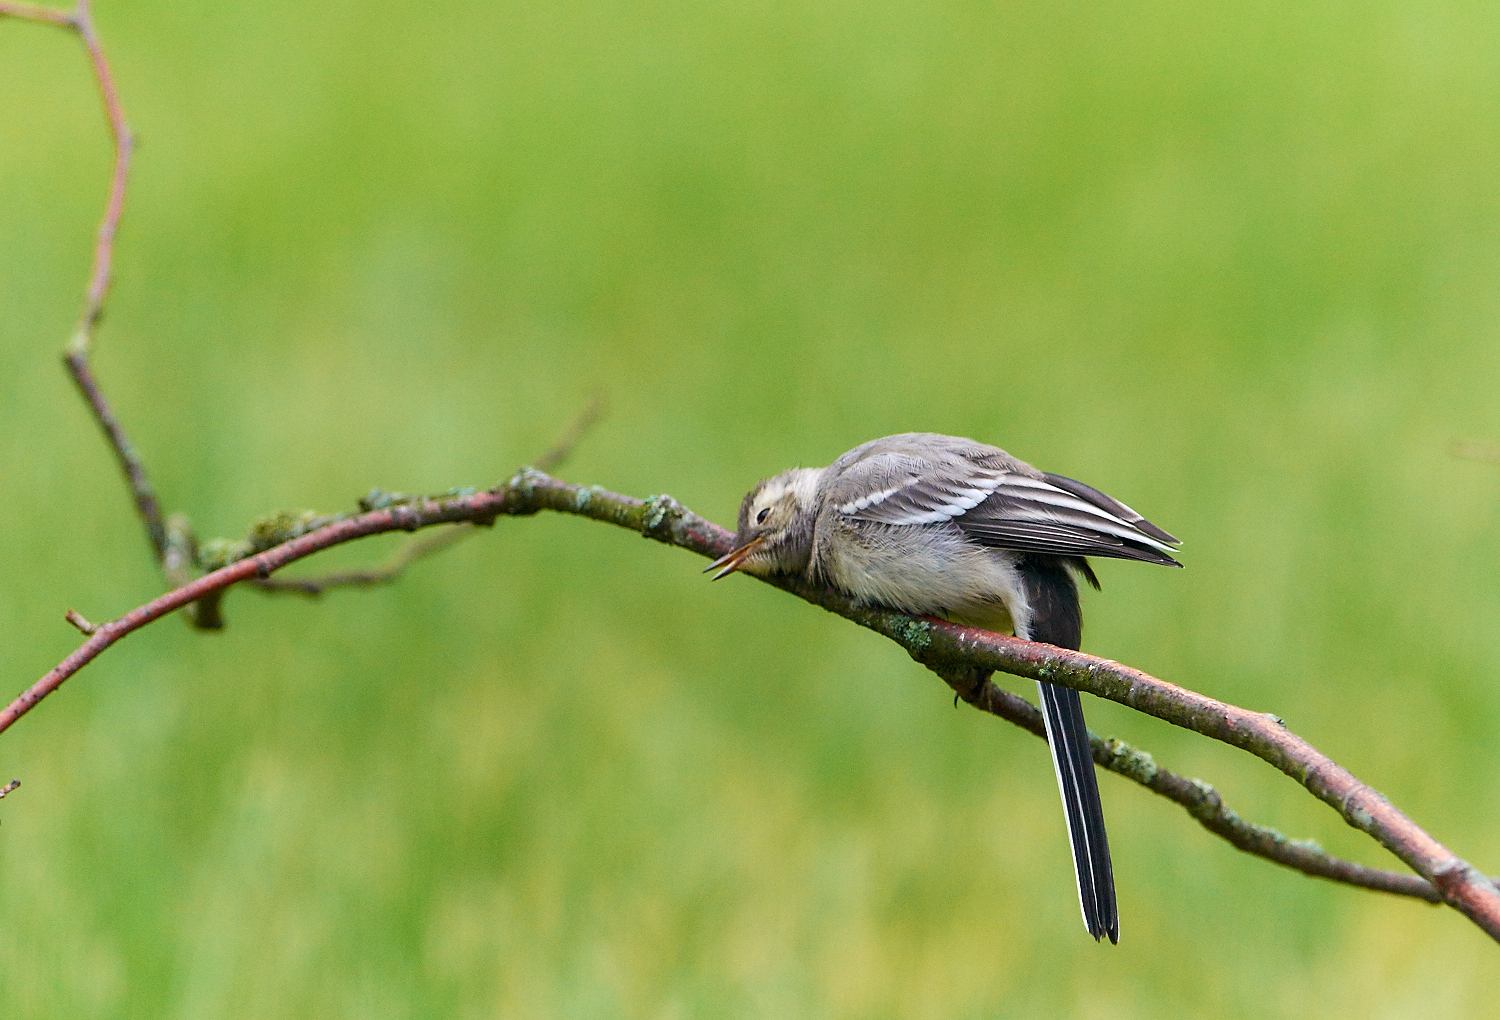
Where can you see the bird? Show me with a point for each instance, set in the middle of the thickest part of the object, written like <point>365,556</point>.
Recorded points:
<point>946,527</point>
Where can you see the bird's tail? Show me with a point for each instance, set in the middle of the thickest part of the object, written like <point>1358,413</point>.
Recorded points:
<point>1068,737</point>
<point>1057,619</point>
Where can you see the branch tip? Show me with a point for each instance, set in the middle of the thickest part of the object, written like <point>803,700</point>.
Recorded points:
<point>568,441</point>
<point>46,15</point>
<point>77,620</point>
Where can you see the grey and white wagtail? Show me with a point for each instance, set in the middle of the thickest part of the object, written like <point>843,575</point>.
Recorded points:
<point>941,526</point>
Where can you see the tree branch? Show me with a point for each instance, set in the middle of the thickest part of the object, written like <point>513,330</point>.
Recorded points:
<point>1200,800</point>
<point>963,656</point>
<point>371,577</point>
<point>32,12</point>
<point>76,356</point>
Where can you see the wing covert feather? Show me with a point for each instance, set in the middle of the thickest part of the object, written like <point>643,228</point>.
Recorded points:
<point>993,498</point>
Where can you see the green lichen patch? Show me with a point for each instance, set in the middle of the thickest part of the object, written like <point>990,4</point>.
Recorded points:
<point>584,496</point>
<point>283,526</point>
<point>217,553</point>
<point>659,515</point>
<point>1132,761</point>
<point>524,482</point>
<point>380,499</point>
<point>914,635</point>
<point>266,533</point>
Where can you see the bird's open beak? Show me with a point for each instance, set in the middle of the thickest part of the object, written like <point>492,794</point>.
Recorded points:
<point>732,560</point>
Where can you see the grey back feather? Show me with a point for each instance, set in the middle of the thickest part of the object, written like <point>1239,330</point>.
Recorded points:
<point>995,500</point>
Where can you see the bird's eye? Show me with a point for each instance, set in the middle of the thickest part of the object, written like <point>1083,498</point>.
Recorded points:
<point>760,518</point>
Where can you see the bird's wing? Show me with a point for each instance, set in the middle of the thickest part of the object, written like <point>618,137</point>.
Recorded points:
<point>997,502</point>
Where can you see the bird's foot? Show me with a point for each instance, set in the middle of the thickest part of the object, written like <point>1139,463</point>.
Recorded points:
<point>969,685</point>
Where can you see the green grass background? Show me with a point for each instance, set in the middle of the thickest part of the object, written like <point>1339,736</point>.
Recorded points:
<point>1238,265</point>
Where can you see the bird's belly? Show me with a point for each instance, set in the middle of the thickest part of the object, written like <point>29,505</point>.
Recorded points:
<point>932,575</point>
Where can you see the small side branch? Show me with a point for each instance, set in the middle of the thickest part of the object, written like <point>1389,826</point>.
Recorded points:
<point>32,12</point>
<point>414,550</point>
<point>9,788</point>
<point>99,279</point>
<point>572,435</point>
<point>78,621</point>
<point>147,506</point>
<point>419,548</point>
<point>1198,798</point>
<point>75,357</point>
<point>77,354</point>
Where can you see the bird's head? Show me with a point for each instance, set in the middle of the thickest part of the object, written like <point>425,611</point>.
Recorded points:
<point>776,526</point>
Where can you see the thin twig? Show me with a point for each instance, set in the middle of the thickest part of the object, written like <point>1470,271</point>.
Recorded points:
<point>14,783</point>
<point>99,280</point>
<point>146,504</point>
<point>417,548</point>
<point>568,441</point>
<point>78,621</point>
<point>1200,800</point>
<point>76,356</point>
<point>32,12</point>
<point>952,651</point>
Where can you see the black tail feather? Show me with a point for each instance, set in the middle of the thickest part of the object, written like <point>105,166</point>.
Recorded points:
<point>1057,619</point>
<point>1069,738</point>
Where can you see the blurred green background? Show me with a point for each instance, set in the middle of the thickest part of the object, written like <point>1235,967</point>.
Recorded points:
<point>1238,265</point>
